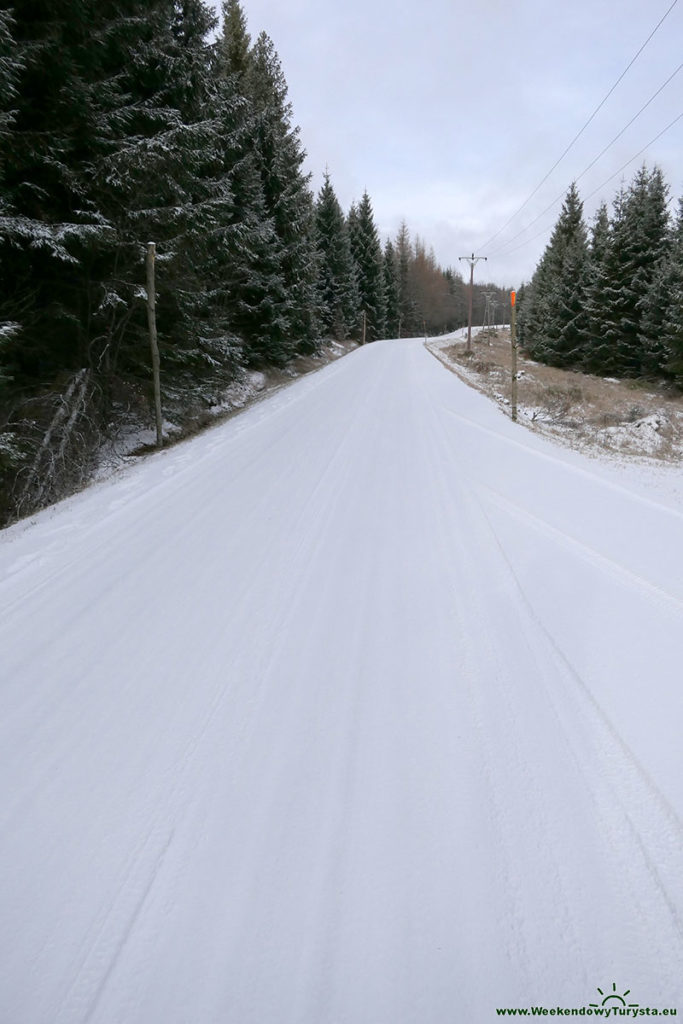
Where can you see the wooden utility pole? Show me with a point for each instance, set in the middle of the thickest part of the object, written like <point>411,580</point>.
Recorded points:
<point>364,326</point>
<point>152,321</point>
<point>472,260</point>
<point>513,342</point>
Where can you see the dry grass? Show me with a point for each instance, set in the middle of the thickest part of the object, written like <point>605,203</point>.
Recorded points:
<point>637,418</point>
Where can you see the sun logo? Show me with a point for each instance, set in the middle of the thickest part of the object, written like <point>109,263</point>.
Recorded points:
<point>614,998</point>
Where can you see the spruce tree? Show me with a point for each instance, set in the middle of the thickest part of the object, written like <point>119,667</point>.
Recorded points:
<point>369,263</point>
<point>249,257</point>
<point>391,289</point>
<point>521,305</point>
<point>534,313</point>
<point>406,300</point>
<point>353,228</point>
<point>655,309</point>
<point>234,43</point>
<point>10,70</point>
<point>53,221</point>
<point>569,322</point>
<point>638,240</point>
<point>672,326</point>
<point>419,285</point>
<point>609,300</point>
<point>124,147</point>
<point>653,278</point>
<point>337,288</point>
<point>288,198</point>
<point>595,295</point>
<point>155,177</point>
<point>599,236</point>
<point>555,322</point>
<point>198,309</point>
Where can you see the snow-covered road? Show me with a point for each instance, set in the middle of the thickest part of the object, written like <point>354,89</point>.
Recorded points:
<point>364,707</point>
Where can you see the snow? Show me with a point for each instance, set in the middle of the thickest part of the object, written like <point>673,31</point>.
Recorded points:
<point>647,429</point>
<point>240,393</point>
<point>130,437</point>
<point>8,330</point>
<point>362,707</point>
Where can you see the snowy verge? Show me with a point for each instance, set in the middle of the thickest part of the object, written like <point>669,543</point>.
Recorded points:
<point>598,416</point>
<point>132,438</point>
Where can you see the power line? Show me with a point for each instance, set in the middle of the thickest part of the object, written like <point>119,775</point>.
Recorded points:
<point>592,163</point>
<point>506,252</point>
<point>639,153</point>
<point>583,128</point>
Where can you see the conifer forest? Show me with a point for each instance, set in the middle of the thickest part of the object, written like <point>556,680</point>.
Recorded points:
<point>609,299</point>
<point>121,124</point>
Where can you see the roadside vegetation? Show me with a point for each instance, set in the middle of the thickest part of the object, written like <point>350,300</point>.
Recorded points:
<point>630,417</point>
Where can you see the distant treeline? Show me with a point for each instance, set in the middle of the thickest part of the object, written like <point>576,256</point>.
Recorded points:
<point>610,300</point>
<point>399,290</point>
<point>123,123</point>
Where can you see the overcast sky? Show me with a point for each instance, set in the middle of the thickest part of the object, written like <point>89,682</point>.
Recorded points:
<point>450,113</point>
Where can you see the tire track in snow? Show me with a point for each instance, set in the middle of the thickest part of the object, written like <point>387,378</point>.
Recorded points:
<point>650,820</point>
<point>196,454</point>
<point>370,787</point>
<point>531,451</point>
<point>643,827</point>
<point>105,944</point>
<point>172,789</point>
<point>149,563</point>
<point>302,557</point>
<point>493,708</point>
<point>585,551</point>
